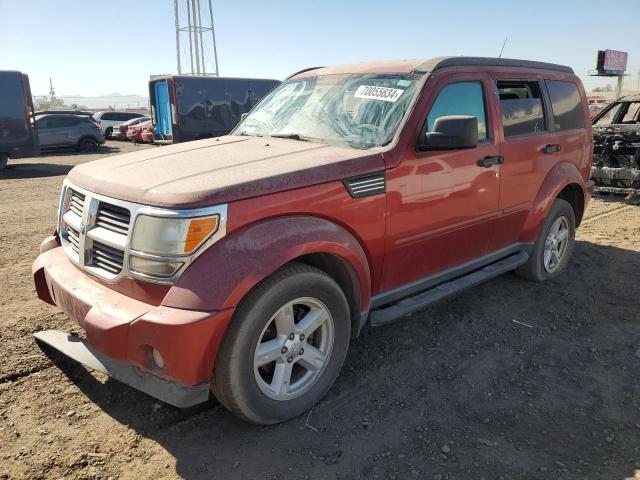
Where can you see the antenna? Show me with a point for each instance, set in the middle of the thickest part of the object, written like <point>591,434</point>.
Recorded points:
<point>502,49</point>
<point>194,26</point>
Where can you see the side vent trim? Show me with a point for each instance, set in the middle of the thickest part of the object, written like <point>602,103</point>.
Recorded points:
<point>366,185</point>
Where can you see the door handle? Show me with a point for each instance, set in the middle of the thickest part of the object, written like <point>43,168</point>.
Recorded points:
<point>490,161</point>
<point>551,148</point>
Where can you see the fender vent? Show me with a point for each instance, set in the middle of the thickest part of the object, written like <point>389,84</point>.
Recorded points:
<point>366,185</point>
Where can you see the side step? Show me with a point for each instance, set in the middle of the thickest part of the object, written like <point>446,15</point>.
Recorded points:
<point>421,300</point>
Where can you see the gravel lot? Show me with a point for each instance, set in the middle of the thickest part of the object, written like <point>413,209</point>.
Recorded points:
<point>508,380</point>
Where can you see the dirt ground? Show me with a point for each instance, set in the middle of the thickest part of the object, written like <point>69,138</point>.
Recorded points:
<point>509,380</point>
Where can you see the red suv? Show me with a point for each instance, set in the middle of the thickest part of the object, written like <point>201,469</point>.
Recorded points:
<point>350,195</point>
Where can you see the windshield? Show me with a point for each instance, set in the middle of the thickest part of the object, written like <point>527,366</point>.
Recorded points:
<point>357,110</point>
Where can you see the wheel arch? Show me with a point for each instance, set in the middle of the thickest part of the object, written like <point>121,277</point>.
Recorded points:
<point>253,253</point>
<point>565,181</point>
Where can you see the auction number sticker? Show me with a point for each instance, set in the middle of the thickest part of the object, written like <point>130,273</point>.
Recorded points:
<point>378,93</point>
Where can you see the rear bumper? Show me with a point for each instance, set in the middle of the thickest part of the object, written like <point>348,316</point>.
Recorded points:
<point>124,330</point>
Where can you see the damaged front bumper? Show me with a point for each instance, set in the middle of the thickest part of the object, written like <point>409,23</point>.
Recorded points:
<point>125,337</point>
<point>173,393</point>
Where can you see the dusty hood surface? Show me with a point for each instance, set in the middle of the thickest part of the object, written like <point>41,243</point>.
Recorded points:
<point>219,170</point>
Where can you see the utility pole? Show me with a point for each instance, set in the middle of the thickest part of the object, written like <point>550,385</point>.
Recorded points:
<point>52,92</point>
<point>197,26</point>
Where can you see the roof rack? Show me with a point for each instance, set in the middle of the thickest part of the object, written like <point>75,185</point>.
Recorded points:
<point>436,63</point>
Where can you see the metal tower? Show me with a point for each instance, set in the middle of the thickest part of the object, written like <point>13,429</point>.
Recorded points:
<point>195,38</point>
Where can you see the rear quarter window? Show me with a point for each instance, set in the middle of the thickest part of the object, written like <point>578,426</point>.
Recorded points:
<point>566,105</point>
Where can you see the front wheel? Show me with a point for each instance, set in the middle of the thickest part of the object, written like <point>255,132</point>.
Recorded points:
<point>284,347</point>
<point>554,246</point>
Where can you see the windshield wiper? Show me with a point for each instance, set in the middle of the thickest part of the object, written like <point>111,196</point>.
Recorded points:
<point>293,136</point>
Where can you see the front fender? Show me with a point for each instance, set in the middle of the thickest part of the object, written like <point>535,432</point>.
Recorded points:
<point>220,277</point>
<point>561,175</point>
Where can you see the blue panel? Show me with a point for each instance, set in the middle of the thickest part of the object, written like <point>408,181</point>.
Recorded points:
<point>163,108</point>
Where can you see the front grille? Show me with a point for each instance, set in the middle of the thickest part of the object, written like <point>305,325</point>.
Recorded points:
<point>107,258</point>
<point>76,203</point>
<point>114,218</point>
<point>74,239</point>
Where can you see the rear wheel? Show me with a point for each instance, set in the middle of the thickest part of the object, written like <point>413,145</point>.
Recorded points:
<point>554,246</point>
<point>284,347</point>
<point>88,144</point>
<point>4,158</point>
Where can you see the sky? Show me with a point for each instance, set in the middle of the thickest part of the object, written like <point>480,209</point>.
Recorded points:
<point>95,48</point>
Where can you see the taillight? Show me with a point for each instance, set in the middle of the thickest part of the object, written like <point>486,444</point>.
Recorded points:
<point>97,123</point>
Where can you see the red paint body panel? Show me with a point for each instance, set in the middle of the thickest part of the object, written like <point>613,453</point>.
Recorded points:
<point>222,276</point>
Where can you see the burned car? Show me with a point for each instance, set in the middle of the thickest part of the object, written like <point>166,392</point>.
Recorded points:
<point>616,150</point>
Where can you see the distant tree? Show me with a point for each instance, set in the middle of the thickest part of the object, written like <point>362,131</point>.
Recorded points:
<point>51,104</point>
<point>56,104</point>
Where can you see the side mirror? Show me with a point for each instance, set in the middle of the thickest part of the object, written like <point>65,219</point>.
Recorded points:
<point>243,116</point>
<point>451,132</point>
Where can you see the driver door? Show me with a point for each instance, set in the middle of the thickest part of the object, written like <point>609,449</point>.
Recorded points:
<point>442,204</point>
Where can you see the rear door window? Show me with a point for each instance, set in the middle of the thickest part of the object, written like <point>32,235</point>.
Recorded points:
<point>109,116</point>
<point>460,98</point>
<point>566,105</point>
<point>522,107</point>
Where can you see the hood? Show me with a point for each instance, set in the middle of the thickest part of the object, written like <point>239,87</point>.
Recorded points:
<point>219,170</point>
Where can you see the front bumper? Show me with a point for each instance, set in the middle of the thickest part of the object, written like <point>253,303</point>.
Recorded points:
<point>121,332</point>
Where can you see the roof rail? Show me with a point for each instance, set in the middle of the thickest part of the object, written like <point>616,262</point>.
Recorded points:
<point>434,64</point>
<point>302,71</point>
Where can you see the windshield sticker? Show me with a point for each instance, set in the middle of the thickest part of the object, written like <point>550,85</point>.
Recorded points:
<point>378,93</point>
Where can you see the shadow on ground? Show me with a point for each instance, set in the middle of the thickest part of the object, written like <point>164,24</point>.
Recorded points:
<point>509,380</point>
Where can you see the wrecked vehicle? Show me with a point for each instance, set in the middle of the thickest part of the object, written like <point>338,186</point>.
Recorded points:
<point>616,149</point>
<point>350,195</point>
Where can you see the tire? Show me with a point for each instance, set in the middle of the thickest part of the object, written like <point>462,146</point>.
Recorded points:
<point>537,269</point>
<point>88,144</point>
<point>108,132</point>
<point>4,158</point>
<point>250,391</point>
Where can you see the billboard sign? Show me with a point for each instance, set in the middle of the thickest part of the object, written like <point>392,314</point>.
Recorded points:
<point>612,60</point>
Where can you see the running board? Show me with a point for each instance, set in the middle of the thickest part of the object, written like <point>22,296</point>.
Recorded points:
<point>421,300</point>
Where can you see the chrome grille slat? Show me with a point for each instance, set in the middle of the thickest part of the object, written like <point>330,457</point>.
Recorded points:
<point>114,218</point>
<point>107,258</point>
<point>76,203</point>
<point>74,239</point>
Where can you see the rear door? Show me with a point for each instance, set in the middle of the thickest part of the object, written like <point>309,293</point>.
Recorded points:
<point>13,111</point>
<point>527,148</point>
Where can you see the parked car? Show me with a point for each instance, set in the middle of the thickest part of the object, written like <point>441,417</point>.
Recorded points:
<point>348,196</point>
<point>134,133</point>
<point>68,131</point>
<point>69,112</point>
<point>147,133</point>
<point>616,151</point>
<point>120,132</point>
<point>185,108</point>
<point>18,138</point>
<point>109,120</point>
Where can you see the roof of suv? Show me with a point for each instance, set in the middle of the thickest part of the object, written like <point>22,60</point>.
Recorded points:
<point>429,65</point>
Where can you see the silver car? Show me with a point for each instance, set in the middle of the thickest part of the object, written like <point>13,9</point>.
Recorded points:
<point>71,131</point>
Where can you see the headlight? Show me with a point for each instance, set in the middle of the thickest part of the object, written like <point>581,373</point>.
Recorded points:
<point>172,236</point>
<point>164,242</point>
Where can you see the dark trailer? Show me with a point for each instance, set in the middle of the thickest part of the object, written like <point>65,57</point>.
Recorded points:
<point>187,108</point>
<point>18,137</point>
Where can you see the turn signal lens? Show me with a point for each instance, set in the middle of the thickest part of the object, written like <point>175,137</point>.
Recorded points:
<point>199,230</point>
